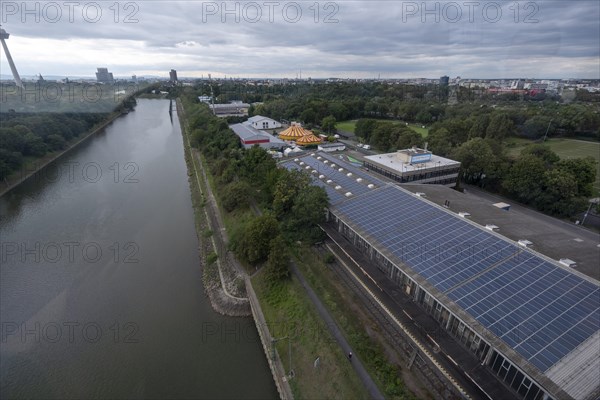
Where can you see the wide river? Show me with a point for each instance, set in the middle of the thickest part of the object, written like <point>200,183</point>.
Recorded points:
<point>100,285</point>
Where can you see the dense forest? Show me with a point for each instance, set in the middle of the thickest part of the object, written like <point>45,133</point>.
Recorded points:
<point>477,130</point>
<point>28,136</point>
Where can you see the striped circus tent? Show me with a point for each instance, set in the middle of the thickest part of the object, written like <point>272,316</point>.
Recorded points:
<point>310,138</point>
<point>294,132</point>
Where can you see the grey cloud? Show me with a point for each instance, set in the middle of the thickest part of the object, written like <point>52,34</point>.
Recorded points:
<point>368,36</point>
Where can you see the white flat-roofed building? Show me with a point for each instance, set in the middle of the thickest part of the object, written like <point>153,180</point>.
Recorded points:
<point>414,166</point>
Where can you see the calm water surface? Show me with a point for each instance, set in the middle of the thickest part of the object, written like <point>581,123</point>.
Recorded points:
<point>100,286</point>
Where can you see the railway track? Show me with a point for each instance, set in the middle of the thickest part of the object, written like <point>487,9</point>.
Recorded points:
<point>442,387</point>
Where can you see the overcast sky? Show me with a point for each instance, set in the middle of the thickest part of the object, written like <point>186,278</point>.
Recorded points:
<point>475,39</point>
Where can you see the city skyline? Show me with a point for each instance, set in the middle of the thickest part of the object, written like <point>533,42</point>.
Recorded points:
<point>349,39</point>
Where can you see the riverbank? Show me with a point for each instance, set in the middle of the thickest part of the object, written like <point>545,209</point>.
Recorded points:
<point>33,167</point>
<point>221,271</point>
<point>223,285</point>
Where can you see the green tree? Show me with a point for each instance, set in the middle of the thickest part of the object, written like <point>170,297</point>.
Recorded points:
<point>500,127</point>
<point>34,145</point>
<point>364,127</point>
<point>308,116</point>
<point>526,178</point>
<point>583,171</point>
<point>56,142</point>
<point>328,124</point>
<point>307,212</point>
<point>408,138</point>
<point>253,245</point>
<point>289,185</point>
<point>559,196</point>
<point>542,152</point>
<point>535,127</point>
<point>235,195</point>
<point>478,160</point>
<point>278,263</point>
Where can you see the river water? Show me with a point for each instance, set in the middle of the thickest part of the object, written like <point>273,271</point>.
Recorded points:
<point>100,286</point>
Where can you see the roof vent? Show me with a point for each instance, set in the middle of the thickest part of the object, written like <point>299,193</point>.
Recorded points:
<point>329,181</point>
<point>464,214</point>
<point>312,154</point>
<point>307,167</point>
<point>503,206</point>
<point>349,174</point>
<point>321,176</point>
<point>567,262</point>
<point>341,169</point>
<point>370,186</point>
<point>333,165</point>
<point>490,227</point>
<point>319,158</point>
<point>348,194</point>
<point>338,187</point>
<point>296,159</point>
<point>314,171</point>
<point>326,162</point>
<point>420,194</point>
<point>301,162</point>
<point>524,243</point>
<point>359,180</point>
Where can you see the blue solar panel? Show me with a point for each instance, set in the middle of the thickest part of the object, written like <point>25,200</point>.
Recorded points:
<point>541,310</point>
<point>325,172</point>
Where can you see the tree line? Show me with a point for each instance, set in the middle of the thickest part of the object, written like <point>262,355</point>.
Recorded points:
<point>30,136</point>
<point>291,207</point>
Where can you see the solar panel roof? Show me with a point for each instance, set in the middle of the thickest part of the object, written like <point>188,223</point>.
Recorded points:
<point>539,309</point>
<point>336,176</point>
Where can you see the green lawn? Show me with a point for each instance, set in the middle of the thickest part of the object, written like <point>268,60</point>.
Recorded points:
<point>346,126</point>
<point>349,126</point>
<point>565,148</point>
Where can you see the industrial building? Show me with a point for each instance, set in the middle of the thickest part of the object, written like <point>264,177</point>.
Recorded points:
<point>531,321</point>
<point>250,136</point>
<point>414,166</point>
<point>332,147</point>
<point>233,109</point>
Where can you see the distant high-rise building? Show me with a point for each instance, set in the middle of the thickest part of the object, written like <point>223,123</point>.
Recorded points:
<point>134,78</point>
<point>444,80</point>
<point>173,75</point>
<point>103,76</point>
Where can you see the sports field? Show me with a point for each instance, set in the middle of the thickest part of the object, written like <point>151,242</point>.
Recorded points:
<point>565,148</point>
<point>349,126</point>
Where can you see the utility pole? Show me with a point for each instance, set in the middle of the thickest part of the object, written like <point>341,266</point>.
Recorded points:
<point>547,129</point>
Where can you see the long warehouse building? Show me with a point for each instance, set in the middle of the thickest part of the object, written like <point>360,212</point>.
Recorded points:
<point>532,321</point>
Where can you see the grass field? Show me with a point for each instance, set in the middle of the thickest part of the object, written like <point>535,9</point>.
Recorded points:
<point>349,126</point>
<point>290,314</point>
<point>565,148</point>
